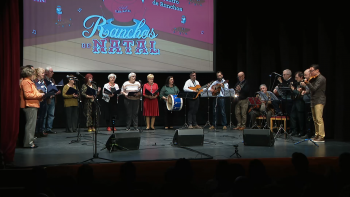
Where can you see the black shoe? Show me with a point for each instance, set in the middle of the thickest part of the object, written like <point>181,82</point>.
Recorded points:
<point>37,135</point>
<point>43,134</point>
<point>51,132</point>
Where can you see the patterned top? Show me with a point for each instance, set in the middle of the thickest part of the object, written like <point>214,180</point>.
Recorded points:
<point>107,86</point>
<point>131,87</point>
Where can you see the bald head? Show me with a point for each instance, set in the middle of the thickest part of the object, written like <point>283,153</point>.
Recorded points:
<point>307,74</point>
<point>241,76</point>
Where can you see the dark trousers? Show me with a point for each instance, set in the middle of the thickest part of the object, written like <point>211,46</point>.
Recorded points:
<point>110,111</point>
<point>71,118</point>
<point>168,117</point>
<point>276,106</point>
<point>40,117</point>
<point>219,106</point>
<point>132,111</point>
<point>255,113</point>
<point>297,121</point>
<point>193,105</point>
<point>287,106</point>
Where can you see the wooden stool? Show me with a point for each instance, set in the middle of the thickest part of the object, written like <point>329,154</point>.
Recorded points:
<point>260,118</point>
<point>275,118</point>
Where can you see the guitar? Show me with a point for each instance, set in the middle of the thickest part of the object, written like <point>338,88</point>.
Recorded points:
<point>217,88</point>
<point>199,89</point>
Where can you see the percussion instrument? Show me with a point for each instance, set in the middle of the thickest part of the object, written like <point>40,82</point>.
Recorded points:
<point>174,103</point>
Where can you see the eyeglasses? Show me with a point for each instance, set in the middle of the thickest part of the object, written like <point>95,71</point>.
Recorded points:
<point>133,76</point>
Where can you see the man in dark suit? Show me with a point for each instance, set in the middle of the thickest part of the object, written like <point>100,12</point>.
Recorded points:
<point>286,81</point>
<point>297,114</point>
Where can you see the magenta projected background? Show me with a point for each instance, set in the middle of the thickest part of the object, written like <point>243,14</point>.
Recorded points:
<point>119,35</point>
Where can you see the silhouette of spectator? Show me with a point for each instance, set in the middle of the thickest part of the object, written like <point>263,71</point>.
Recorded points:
<point>257,174</point>
<point>38,186</point>
<point>224,178</point>
<point>86,180</point>
<point>344,174</point>
<point>182,174</point>
<point>300,163</point>
<point>128,173</point>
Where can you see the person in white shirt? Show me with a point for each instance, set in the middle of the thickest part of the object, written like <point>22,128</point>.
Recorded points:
<point>110,102</point>
<point>219,102</point>
<point>131,102</point>
<point>193,104</point>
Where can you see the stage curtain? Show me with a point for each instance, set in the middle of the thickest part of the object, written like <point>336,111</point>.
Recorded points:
<point>260,39</point>
<point>10,57</point>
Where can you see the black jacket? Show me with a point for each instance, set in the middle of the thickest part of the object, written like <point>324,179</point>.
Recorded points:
<point>244,93</point>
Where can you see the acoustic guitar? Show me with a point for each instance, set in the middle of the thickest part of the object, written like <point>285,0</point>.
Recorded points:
<point>217,88</point>
<point>200,88</point>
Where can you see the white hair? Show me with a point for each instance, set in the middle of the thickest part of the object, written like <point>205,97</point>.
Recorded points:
<point>47,69</point>
<point>131,74</point>
<point>112,75</point>
<point>288,72</point>
<point>262,85</point>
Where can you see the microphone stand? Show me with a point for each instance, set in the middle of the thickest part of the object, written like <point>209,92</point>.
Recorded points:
<point>208,121</point>
<point>141,108</point>
<point>79,111</point>
<point>96,113</point>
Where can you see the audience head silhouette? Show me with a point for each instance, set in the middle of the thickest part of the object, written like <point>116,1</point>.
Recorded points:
<point>300,162</point>
<point>183,170</point>
<point>128,172</point>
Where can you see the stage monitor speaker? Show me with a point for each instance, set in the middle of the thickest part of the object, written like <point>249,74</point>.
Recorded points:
<point>188,137</point>
<point>258,137</point>
<point>124,141</point>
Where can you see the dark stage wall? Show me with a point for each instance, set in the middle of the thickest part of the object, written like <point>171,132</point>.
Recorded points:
<point>262,39</point>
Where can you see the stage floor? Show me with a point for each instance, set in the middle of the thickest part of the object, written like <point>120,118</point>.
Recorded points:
<point>157,145</point>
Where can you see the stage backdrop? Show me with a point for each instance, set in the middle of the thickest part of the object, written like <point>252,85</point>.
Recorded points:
<point>119,35</point>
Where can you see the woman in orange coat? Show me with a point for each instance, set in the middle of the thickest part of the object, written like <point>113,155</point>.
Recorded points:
<point>30,102</point>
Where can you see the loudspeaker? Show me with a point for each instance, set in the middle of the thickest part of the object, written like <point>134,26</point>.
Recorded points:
<point>124,141</point>
<point>188,137</point>
<point>258,137</point>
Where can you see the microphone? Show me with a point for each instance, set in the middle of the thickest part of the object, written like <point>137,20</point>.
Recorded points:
<point>140,81</point>
<point>93,82</point>
<point>276,74</point>
<point>80,75</point>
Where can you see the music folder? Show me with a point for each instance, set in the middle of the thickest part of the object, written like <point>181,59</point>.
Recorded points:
<point>106,91</point>
<point>52,88</point>
<point>147,92</point>
<point>185,95</point>
<point>71,91</point>
<point>40,87</point>
<point>254,101</point>
<point>132,93</point>
<point>49,94</point>
<point>60,83</point>
<point>90,91</point>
